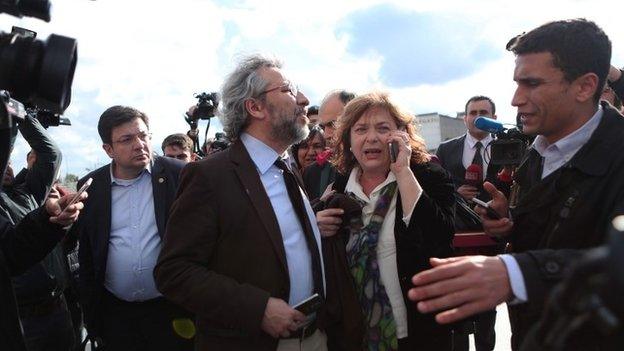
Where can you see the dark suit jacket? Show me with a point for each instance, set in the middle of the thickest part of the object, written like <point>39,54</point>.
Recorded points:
<point>223,254</point>
<point>93,228</point>
<point>450,153</point>
<point>562,215</point>
<point>314,181</point>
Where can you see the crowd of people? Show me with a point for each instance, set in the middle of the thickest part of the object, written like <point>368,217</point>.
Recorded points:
<point>318,228</point>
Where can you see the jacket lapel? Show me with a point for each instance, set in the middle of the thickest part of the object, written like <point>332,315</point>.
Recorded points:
<point>248,175</point>
<point>159,189</point>
<point>101,216</point>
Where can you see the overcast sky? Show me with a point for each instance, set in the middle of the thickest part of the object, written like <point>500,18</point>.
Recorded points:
<point>154,55</point>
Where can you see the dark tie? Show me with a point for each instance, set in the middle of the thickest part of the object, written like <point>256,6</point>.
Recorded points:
<point>478,159</point>
<point>294,193</point>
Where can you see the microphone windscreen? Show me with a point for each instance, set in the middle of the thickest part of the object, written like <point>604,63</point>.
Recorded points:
<point>474,175</point>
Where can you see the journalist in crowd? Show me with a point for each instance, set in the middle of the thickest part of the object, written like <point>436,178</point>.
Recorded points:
<point>406,218</point>
<point>22,246</point>
<point>569,186</point>
<point>41,290</point>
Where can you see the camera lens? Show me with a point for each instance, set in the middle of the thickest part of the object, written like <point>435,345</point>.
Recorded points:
<point>37,72</point>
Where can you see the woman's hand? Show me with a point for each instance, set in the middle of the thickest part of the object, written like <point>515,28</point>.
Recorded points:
<point>329,221</point>
<point>404,155</point>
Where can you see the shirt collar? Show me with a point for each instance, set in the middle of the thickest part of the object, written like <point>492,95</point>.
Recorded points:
<point>354,186</point>
<point>572,142</point>
<point>262,155</point>
<point>114,180</point>
<point>472,140</point>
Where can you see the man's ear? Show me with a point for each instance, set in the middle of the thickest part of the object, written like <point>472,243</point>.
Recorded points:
<point>494,117</point>
<point>109,150</point>
<point>585,87</point>
<point>255,108</point>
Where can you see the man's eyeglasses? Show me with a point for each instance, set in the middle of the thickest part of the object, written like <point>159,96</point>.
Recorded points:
<point>330,124</point>
<point>287,87</point>
<point>129,138</point>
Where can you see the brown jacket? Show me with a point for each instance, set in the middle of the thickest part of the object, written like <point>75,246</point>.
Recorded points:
<point>223,255</point>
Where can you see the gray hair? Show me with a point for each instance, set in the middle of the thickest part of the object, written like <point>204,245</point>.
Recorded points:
<point>242,84</point>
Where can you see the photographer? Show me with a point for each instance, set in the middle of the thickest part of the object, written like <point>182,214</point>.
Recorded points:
<point>39,291</point>
<point>24,245</point>
<point>179,146</point>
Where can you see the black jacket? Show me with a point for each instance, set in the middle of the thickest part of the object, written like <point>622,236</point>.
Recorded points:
<point>20,248</point>
<point>93,229</point>
<point>562,215</point>
<point>429,234</point>
<point>28,191</point>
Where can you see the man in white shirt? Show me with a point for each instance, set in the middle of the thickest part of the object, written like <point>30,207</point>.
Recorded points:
<point>570,185</point>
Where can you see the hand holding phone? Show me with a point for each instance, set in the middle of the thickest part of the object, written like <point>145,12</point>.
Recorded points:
<point>309,305</point>
<point>490,212</point>
<point>82,189</point>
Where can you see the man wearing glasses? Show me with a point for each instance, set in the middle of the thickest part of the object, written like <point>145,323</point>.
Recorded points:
<point>242,246</point>
<point>321,173</point>
<point>120,232</point>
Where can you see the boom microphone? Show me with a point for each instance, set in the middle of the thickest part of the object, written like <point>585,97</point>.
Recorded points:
<point>488,124</point>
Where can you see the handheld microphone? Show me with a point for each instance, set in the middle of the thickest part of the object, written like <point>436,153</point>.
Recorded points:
<point>474,175</point>
<point>489,125</point>
<point>504,175</point>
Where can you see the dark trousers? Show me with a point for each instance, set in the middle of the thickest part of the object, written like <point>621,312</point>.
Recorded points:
<point>136,326</point>
<point>50,331</point>
<point>484,333</point>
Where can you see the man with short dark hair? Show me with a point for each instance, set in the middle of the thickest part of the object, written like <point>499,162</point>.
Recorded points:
<point>179,146</point>
<point>569,186</point>
<point>313,116</point>
<point>120,234</point>
<point>242,246</point>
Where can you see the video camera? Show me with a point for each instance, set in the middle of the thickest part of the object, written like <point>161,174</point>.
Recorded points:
<point>220,143</point>
<point>205,108</point>
<point>35,75</point>
<point>207,104</point>
<point>509,145</point>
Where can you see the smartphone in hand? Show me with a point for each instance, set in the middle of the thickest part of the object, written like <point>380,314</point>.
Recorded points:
<point>309,305</point>
<point>393,147</point>
<point>490,212</point>
<point>82,189</point>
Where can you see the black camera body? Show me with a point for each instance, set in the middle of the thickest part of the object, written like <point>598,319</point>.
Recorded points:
<point>220,143</point>
<point>206,106</point>
<point>509,147</point>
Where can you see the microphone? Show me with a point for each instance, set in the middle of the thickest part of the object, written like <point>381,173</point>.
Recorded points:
<point>474,175</point>
<point>489,125</point>
<point>504,176</point>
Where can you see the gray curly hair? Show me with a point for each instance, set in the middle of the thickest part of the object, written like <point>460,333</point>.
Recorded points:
<point>242,84</point>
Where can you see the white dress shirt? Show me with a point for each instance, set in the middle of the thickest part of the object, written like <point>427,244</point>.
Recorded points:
<point>470,143</point>
<point>298,258</point>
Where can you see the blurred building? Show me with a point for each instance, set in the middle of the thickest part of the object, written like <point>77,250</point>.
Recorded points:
<point>437,128</point>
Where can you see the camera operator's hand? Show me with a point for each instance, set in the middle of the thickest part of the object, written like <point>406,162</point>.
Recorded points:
<point>614,74</point>
<point>329,221</point>
<point>495,227</point>
<point>280,319</point>
<point>191,110</point>
<point>468,192</point>
<point>56,206</point>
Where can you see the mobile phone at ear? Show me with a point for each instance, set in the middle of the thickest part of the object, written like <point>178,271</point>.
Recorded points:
<point>82,189</point>
<point>393,148</point>
<point>490,212</point>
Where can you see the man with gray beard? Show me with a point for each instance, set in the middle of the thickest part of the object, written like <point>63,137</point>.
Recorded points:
<point>242,246</point>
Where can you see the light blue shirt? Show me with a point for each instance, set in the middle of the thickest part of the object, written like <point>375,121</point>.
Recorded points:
<point>555,156</point>
<point>298,258</point>
<point>134,243</point>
